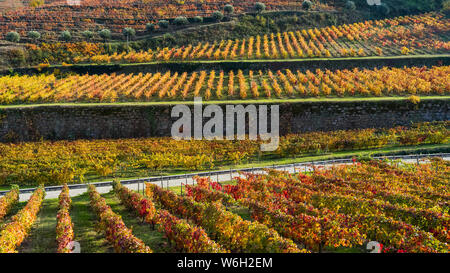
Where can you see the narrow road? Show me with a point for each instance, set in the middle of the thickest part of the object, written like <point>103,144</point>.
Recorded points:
<point>177,181</point>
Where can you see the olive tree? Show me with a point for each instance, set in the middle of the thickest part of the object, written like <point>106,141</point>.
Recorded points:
<point>87,34</point>
<point>181,21</point>
<point>150,27</point>
<point>163,23</point>
<point>229,9</point>
<point>350,5</point>
<point>260,7</point>
<point>128,32</point>
<point>105,34</point>
<point>13,37</point>
<point>65,35</point>
<point>307,5</point>
<point>217,16</point>
<point>198,19</point>
<point>34,35</point>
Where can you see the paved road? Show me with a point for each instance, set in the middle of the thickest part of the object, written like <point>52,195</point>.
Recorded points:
<point>178,182</point>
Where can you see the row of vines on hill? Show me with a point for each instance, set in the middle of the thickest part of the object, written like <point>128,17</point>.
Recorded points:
<point>405,208</point>
<point>17,230</point>
<point>117,15</point>
<point>420,34</point>
<point>220,85</point>
<point>62,162</point>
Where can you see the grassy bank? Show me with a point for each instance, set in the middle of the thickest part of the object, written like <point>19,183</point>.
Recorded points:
<point>236,101</point>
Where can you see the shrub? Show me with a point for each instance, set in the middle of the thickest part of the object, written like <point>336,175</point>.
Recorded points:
<point>128,32</point>
<point>163,24</point>
<point>181,21</point>
<point>33,35</point>
<point>168,39</point>
<point>217,16</point>
<point>87,34</point>
<point>307,5</point>
<point>150,27</point>
<point>260,7</point>
<point>105,34</point>
<point>228,9</point>
<point>66,35</point>
<point>350,5</point>
<point>198,19</point>
<point>13,37</point>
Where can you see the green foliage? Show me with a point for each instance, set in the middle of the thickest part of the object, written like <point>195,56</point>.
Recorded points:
<point>446,8</point>
<point>87,34</point>
<point>228,9</point>
<point>150,27</point>
<point>66,36</point>
<point>350,5</point>
<point>34,35</point>
<point>168,37</point>
<point>17,57</point>
<point>217,16</point>
<point>181,21</point>
<point>13,37</point>
<point>105,34</point>
<point>307,5</point>
<point>260,7</point>
<point>163,23</point>
<point>198,19</point>
<point>364,158</point>
<point>246,26</point>
<point>128,32</point>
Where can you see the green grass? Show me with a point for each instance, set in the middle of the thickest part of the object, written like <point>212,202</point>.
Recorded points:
<point>152,238</point>
<point>241,211</point>
<point>85,230</point>
<point>42,238</point>
<point>235,101</point>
